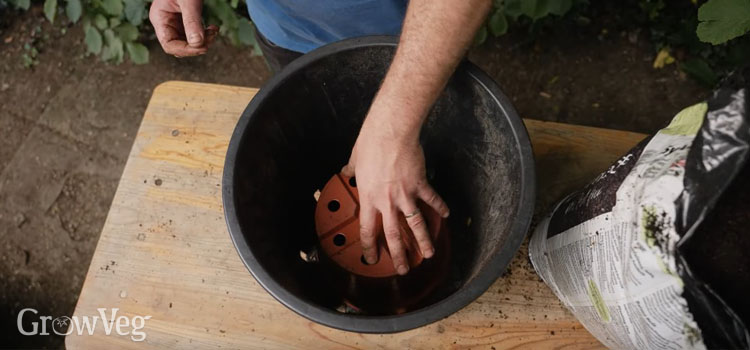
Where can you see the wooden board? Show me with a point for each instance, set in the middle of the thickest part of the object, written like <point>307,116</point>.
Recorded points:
<point>165,251</point>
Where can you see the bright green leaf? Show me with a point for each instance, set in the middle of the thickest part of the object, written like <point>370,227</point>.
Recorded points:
<point>73,10</point>
<point>246,32</point>
<point>700,71</point>
<point>498,23</point>
<point>135,11</point>
<point>127,32</point>
<point>112,7</point>
<point>23,4</point>
<point>234,3</point>
<point>101,22</point>
<point>137,52</point>
<point>93,40</point>
<point>723,20</point>
<point>50,9</point>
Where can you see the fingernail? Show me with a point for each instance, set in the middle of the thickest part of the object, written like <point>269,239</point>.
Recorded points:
<point>428,253</point>
<point>194,38</point>
<point>371,260</point>
<point>402,269</point>
<point>446,213</point>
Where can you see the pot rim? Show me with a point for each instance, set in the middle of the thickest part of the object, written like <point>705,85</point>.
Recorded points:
<point>493,269</point>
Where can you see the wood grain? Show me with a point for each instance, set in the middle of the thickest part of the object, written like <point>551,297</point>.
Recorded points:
<point>164,250</point>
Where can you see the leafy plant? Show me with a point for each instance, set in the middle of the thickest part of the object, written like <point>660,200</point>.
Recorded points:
<point>29,56</point>
<point>706,39</point>
<point>507,12</point>
<point>114,28</point>
<point>723,20</point>
<point>709,40</point>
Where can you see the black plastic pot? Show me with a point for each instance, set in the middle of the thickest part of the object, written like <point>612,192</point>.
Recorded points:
<point>299,130</point>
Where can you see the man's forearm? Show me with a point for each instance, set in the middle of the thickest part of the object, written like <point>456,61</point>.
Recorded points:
<point>435,36</point>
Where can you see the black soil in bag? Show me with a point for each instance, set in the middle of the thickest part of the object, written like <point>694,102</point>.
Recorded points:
<point>716,202</point>
<point>697,230</point>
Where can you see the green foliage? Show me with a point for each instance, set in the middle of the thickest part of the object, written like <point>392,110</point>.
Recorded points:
<point>723,20</point>
<point>498,23</point>
<point>652,8</point>
<point>135,11</point>
<point>127,32</point>
<point>138,53</point>
<point>93,40</point>
<point>50,9</point>
<point>246,35</point>
<point>29,56</point>
<point>73,10</point>
<point>709,40</point>
<point>481,36</point>
<point>223,15</point>
<point>700,70</point>
<point>112,7</point>
<point>20,4</point>
<point>536,9</point>
<point>100,21</point>
<point>113,28</point>
<point>507,12</point>
<point>113,47</point>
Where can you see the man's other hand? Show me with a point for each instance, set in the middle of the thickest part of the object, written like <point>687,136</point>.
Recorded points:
<point>179,27</point>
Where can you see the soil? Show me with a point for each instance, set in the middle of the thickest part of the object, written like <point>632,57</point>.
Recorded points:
<point>67,125</point>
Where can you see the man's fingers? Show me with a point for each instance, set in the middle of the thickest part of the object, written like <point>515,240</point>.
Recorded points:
<point>429,196</point>
<point>368,233</point>
<point>182,49</point>
<point>418,226</point>
<point>395,242</point>
<point>164,25</point>
<point>168,27</point>
<point>193,22</point>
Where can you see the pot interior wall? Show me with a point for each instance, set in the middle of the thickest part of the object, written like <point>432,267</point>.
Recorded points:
<point>302,134</point>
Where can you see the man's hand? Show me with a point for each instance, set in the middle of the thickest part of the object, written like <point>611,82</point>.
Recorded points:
<point>179,27</point>
<point>391,178</point>
<point>387,158</point>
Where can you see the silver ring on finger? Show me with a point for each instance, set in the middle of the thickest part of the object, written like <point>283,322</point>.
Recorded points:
<point>411,215</point>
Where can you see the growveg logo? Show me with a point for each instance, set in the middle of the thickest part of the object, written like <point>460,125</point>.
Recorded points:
<point>80,325</point>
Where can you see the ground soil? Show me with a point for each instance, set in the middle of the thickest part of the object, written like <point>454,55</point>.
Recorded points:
<point>67,125</point>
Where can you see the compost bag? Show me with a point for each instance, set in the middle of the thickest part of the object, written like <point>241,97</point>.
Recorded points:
<point>655,252</point>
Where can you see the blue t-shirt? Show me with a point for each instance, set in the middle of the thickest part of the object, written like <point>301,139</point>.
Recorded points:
<point>304,25</point>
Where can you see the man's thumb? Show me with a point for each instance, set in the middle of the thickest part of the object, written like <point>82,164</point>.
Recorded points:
<point>193,22</point>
